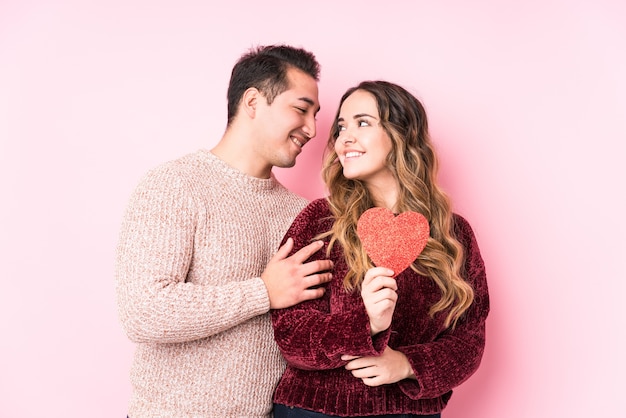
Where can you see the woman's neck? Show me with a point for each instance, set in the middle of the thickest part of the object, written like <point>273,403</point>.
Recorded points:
<point>385,196</point>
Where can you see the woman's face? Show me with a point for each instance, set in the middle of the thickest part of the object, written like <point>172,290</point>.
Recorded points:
<point>363,145</point>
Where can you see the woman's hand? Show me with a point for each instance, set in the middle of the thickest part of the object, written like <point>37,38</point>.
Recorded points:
<point>390,367</point>
<point>378,291</point>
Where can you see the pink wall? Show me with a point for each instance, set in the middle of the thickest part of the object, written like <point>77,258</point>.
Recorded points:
<point>527,106</point>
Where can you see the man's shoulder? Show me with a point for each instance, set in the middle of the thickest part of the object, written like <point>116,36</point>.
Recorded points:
<point>184,162</point>
<point>175,174</point>
<point>183,165</point>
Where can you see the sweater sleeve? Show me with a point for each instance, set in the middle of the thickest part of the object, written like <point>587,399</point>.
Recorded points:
<point>154,253</point>
<point>313,335</point>
<point>455,355</point>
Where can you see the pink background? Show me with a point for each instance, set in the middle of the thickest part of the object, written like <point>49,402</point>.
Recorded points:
<point>527,104</point>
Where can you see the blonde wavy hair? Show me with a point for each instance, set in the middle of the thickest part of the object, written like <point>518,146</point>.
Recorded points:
<point>414,164</point>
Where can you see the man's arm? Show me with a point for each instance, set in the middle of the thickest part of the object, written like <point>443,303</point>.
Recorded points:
<point>155,249</point>
<point>154,253</point>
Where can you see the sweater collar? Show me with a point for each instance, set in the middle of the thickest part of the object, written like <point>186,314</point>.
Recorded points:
<point>238,176</point>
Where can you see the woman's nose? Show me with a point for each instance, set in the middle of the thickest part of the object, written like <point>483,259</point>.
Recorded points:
<point>346,138</point>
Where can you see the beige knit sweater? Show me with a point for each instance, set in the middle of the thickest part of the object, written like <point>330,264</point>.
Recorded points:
<point>194,240</point>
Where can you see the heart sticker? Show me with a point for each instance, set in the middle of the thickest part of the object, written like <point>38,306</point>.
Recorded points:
<point>393,241</point>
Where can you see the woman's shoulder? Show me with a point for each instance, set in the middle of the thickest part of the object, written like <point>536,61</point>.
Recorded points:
<point>461,225</point>
<point>317,208</point>
<point>313,217</point>
<point>466,236</point>
<point>463,231</point>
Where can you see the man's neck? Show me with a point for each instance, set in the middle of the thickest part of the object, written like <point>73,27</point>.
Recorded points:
<point>234,149</point>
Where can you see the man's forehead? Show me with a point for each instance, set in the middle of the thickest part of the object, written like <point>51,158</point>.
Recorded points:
<point>305,95</point>
<point>302,87</point>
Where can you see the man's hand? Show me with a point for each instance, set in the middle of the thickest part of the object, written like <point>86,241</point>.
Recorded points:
<point>289,280</point>
<point>378,291</point>
<point>390,367</point>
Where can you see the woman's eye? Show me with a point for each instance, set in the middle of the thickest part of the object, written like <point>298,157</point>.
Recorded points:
<point>363,123</point>
<point>341,128</point>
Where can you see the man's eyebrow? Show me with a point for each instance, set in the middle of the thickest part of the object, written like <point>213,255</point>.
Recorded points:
<point>309,101</point>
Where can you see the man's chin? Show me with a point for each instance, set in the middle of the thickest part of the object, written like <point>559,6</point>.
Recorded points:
<point>286,163</point>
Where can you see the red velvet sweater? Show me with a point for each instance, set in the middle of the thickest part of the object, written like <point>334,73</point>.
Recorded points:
<point>313,336</point>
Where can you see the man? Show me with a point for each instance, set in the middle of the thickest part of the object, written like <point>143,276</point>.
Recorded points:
<point>196,270</point>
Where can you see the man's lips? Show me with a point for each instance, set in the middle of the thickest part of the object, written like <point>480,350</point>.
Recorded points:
<point>296,141</point>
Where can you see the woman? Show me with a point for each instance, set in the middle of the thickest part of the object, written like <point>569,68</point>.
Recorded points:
<point>382,343</point>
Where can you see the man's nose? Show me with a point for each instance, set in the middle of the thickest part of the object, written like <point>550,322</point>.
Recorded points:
<point>310,128</point>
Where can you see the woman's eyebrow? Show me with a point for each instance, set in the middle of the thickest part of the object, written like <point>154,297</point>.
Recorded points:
<point>359,115</point>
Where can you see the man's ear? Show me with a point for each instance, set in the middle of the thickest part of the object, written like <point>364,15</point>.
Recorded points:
<point>250,100</point>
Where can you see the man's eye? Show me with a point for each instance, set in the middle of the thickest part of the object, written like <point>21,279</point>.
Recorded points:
<point>301,110</point>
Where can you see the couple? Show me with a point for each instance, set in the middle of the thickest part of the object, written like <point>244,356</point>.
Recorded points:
<point>217,302</point>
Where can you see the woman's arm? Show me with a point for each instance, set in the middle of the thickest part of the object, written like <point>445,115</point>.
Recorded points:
<point>315,334</point>
<point>455,355</point>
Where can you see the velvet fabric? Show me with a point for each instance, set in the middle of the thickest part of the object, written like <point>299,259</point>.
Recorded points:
<point>313,336</point>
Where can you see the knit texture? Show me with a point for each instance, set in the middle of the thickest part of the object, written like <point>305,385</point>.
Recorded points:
<point>194,240</point>
<point>314,334</point>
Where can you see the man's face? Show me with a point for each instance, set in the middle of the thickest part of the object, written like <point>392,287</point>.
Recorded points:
<point>288,123</point>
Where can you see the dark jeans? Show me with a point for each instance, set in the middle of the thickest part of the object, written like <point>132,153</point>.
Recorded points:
<point>282,411</point>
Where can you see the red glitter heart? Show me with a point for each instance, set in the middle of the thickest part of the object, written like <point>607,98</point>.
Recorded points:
<point>393,241</point>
